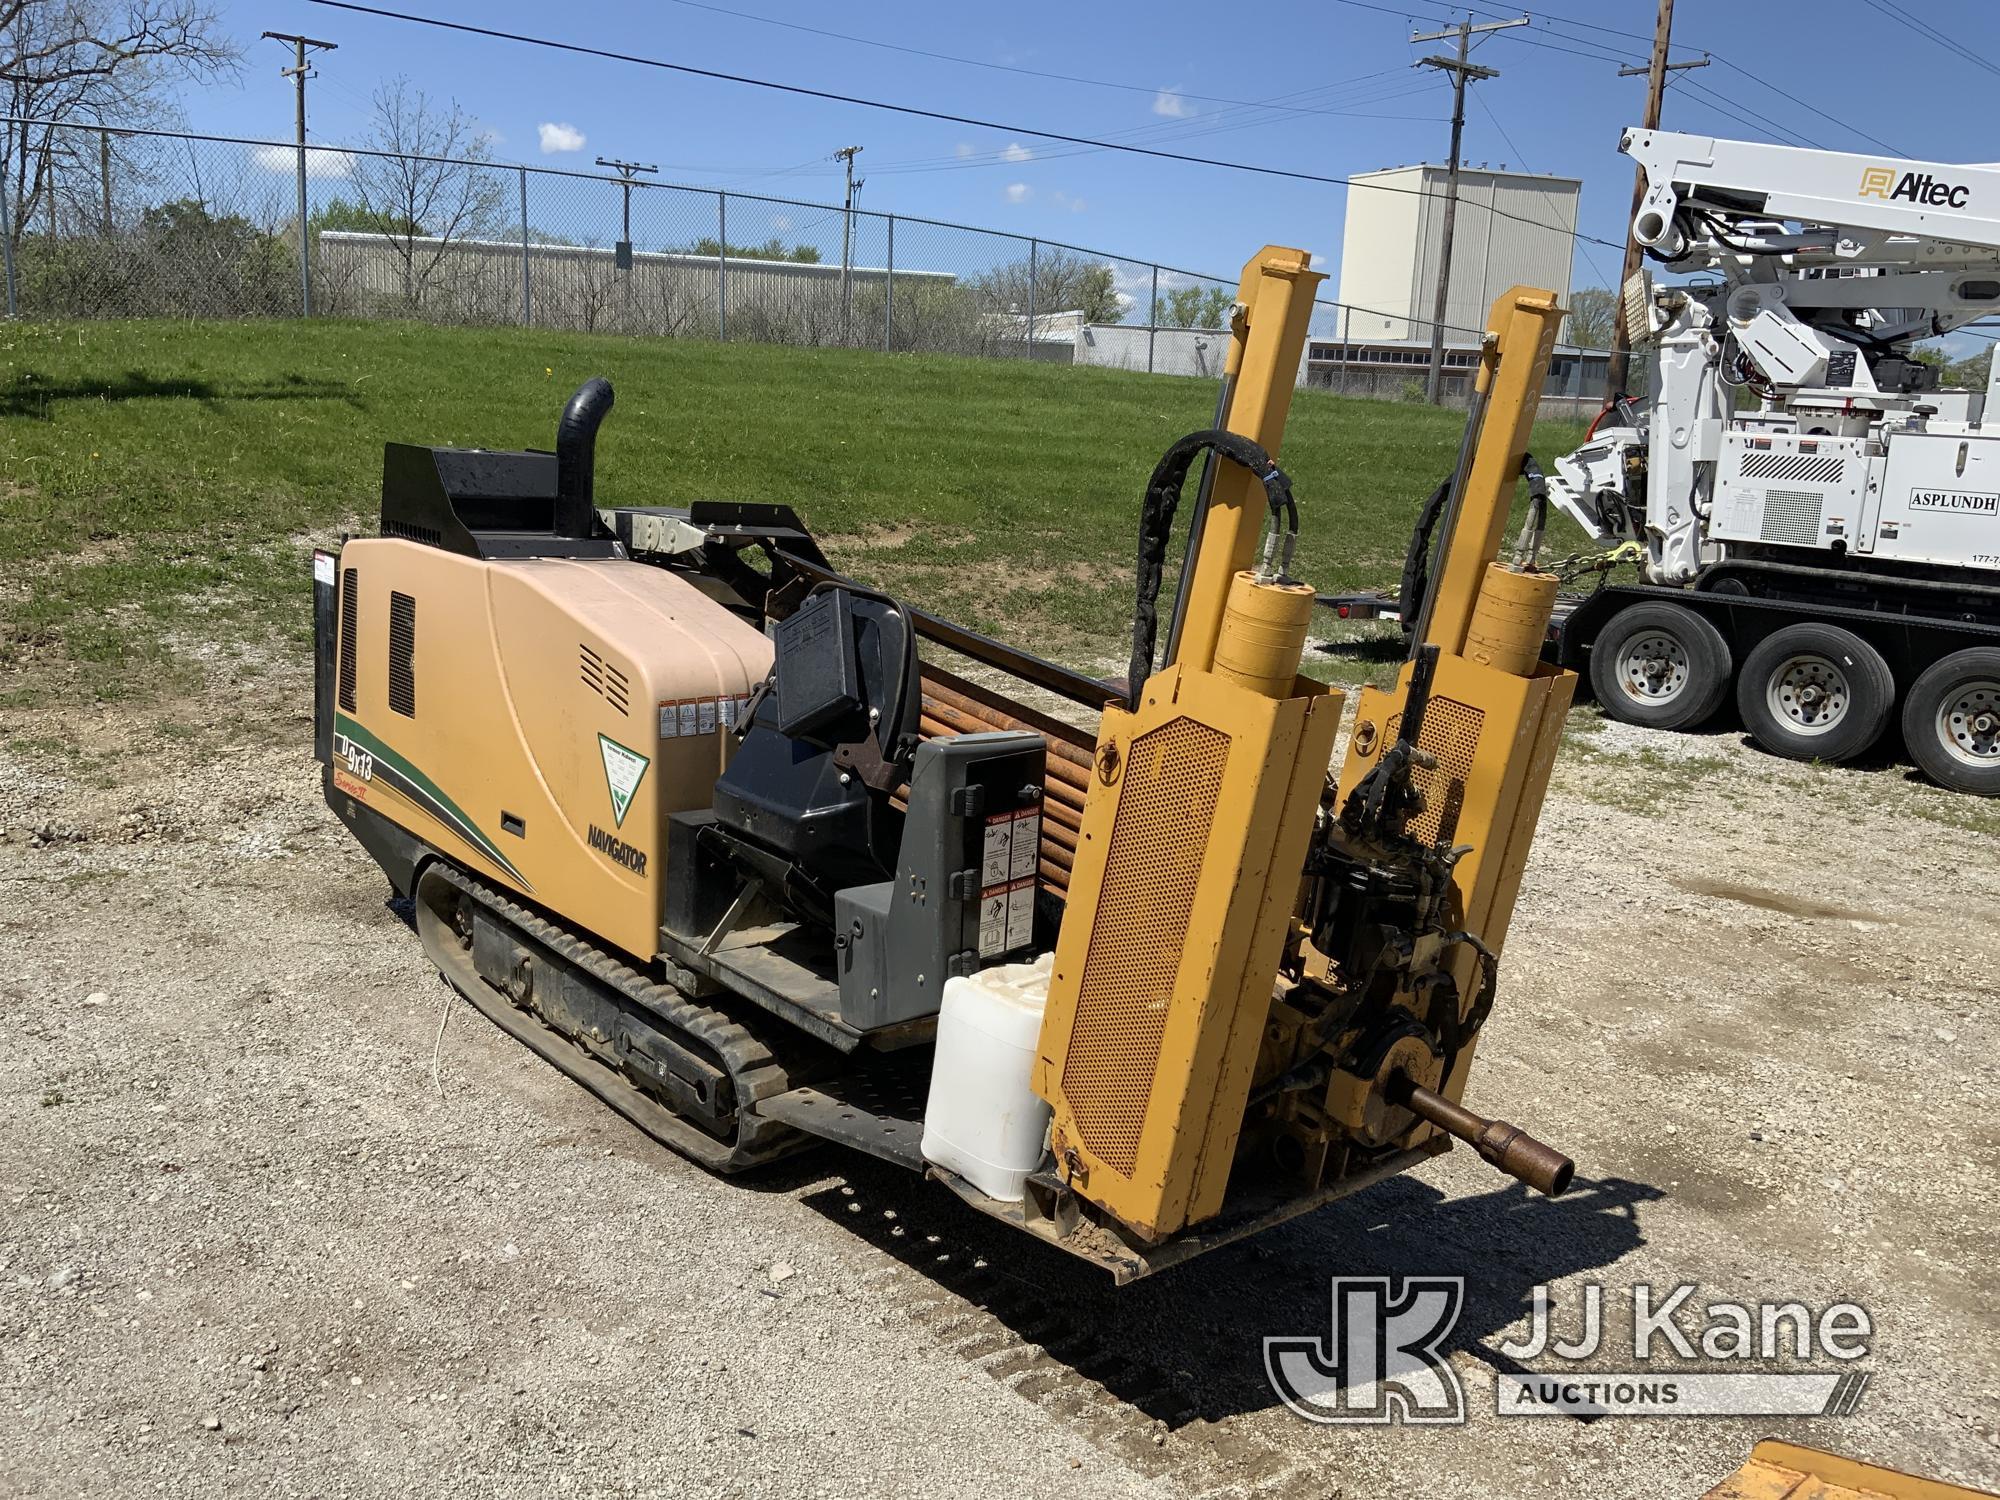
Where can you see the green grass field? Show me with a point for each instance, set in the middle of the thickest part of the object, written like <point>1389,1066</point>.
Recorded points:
<point>159,481</point>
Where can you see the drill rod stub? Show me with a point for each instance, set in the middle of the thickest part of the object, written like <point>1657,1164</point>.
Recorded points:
<point>1508,1147</point>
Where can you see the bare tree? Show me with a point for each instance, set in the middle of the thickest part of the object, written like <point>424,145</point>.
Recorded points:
<point>1060,281</point>
<point>430,190</point>
<point>95,62</point>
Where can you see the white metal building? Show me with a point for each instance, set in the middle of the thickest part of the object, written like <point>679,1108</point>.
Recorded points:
<point>1389,249</point>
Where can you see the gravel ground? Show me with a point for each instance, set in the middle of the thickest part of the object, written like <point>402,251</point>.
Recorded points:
<point>249,1243</point>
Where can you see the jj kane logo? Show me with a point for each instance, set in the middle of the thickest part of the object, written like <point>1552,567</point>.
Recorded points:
<point>1382,1358</point>
<point>1379,1362</point>
<point>1913,187</point>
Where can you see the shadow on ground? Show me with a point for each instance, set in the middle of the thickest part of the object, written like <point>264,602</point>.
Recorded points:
<point>1187,1344</point>
<point>31,395</point>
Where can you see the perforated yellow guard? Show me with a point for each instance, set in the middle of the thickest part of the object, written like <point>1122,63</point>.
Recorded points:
<point>1451,733</point>
<point>1158,840</point>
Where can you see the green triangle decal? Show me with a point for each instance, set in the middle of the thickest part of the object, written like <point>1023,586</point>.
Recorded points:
<point>623,771</point>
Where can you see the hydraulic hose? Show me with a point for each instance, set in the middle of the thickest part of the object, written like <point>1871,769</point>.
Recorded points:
<point>1156,524</point>
<point>576,458</point>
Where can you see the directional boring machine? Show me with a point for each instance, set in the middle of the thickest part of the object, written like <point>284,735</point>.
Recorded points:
<point>763,856</point>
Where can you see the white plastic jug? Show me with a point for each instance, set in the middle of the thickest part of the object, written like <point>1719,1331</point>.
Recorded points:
<point>982,1120</point>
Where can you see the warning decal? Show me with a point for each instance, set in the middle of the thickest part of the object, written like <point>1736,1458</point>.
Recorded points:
<point>1006,918</point>
<point>1010,854</point>
<point>623,771</point>
<point>696,716</point>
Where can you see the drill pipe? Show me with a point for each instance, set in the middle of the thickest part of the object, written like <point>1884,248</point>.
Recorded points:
<point>1508,1147</point>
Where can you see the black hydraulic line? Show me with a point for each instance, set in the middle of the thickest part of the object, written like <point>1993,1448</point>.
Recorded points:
<point>1156,524</point>
<point>1198,522</point>
<point>1418,559</point>
<point>1528,545</point>
<point>1475,422</point>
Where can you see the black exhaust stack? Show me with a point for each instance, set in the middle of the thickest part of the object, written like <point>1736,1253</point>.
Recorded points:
<point>576,459</point>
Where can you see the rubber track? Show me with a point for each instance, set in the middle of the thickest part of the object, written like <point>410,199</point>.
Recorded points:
<point>754,1073</point>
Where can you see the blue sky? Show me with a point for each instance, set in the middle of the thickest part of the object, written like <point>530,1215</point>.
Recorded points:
<point>1351,101</point>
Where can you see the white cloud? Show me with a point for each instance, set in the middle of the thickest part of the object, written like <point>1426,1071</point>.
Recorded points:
<point>1170,104</point>
<point>1064,200</point>
<point>964,150</point>
<point>321,163</point>
<point>1319,262</point>
<point>1017,192</point>
<point>1015,151</point>
<point>557,137</point>
<point>490,137</point>
<point>781,222</point>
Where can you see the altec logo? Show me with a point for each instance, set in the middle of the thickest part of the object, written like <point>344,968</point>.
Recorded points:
<point>1913,187</point>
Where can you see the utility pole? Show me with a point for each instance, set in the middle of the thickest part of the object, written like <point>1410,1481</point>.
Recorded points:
<point>846,154</point>
<point>626,170</point>
<point>1619,368</point>
<point>1462,73</point>
<point>299,72</point>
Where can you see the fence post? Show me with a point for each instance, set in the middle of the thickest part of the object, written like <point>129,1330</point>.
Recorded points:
<point>722,267</point>
<point>1152,319</point>
<point>889,293</point>
<point>527,293</point>
<point>305,230</point>
<point>1033,246</point>
<point>7,248</point>
<point>104,178</point>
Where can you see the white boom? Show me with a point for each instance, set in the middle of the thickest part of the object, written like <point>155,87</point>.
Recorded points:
<point>1815,273</point>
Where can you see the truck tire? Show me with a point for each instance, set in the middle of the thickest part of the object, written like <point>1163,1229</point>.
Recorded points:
<point>1660,665</point>
<point>1813,691</point>
<point>1951,721</point>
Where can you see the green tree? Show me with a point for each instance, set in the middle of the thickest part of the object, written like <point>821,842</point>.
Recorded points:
<point>1097,296</point>
<point>343,214</point>
<point>1593,318</point>
<point>772,249</point>
<point>1969,373</point>
<point>1193,307</point>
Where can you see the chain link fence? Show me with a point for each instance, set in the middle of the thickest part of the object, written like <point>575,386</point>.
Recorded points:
<point>108,223</point>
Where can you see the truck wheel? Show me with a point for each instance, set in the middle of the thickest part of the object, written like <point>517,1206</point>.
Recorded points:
<point>1815,692</point>
<point>1661,665</point>
<point>1951,721</point>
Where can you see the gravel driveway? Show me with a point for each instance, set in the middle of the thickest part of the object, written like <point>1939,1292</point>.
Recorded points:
<point>250,1242</point>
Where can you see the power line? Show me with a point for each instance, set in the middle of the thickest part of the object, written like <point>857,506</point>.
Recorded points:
<point>1402,12</point>
<point>1742,114</point>
<point>1547,19</point>
<point>1749,119</point>
<point>1221,123</point>
<point>974,62</point>
<point>1874,140</point>
<point>1930,33</point>
<point>582,50</point>
<point>1521,157</point>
